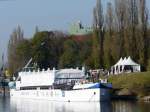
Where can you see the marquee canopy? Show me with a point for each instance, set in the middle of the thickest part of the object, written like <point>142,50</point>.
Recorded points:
<point>126,61</point>
<point>125,65</point>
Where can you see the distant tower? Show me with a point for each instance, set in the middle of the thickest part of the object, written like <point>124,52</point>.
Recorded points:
<point>79,24</point>
<point>36,29</point>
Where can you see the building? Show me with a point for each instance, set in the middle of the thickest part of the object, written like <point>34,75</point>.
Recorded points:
<point>78,29</point>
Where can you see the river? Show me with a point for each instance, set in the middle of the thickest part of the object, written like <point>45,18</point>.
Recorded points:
<point>26,105</point>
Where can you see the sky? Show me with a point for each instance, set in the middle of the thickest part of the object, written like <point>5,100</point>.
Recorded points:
<point>46,14</point>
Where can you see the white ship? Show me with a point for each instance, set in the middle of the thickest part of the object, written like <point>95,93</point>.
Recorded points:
<point>66,85</point>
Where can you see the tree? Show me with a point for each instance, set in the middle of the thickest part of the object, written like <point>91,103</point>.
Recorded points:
<point>143,40</point>
<point>99,30</point>
<point>95,50</point>
<point>109,22</point>
<point>85,50</point>
<point>23,52</point>
<point>15,38</point>
<point>70,56</point>
<point>121,13</point>
<point>41,45</point>
<point>133,18</point>
<point>46,49</point>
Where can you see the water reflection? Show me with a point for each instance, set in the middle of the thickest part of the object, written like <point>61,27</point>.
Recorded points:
<point>47,106</point>
<point>26,105</point>
<point>4,104</point>
<point>130,106</point>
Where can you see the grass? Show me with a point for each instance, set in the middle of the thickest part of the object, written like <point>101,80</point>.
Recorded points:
<point>136,83</point>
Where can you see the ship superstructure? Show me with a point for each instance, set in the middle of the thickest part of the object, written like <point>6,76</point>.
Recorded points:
<point>58,85</point>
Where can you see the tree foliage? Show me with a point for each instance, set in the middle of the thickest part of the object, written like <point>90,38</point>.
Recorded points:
<point>46,49</point>
<point>14,62</point>
<point>121,31</point>
<point>70,56</point>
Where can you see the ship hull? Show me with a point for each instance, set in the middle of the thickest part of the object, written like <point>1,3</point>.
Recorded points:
<point>81,95</point>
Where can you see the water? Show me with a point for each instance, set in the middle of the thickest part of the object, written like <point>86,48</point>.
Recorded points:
<point>11,105</point>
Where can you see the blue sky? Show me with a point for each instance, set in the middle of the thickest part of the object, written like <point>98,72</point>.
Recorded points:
<point>46,14</point>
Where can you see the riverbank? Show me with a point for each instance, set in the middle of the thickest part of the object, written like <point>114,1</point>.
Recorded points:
<point>132,86</point>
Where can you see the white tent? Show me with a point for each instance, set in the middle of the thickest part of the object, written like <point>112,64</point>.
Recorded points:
<point>116,70</point>
<point>119,62</point>
<point>126,65</point>
<point>129,61</point>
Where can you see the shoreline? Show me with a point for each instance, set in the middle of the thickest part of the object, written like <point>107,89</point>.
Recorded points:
<point>124,97</point>
<point>133,86</point>
<point>130,98</point>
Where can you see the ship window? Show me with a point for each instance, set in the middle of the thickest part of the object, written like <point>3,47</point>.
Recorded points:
<point>34,88</point>
<point>44,87</point>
